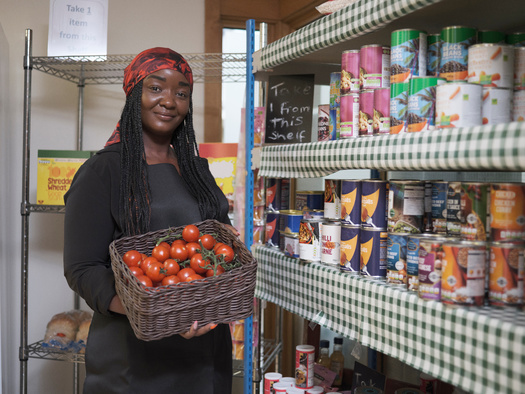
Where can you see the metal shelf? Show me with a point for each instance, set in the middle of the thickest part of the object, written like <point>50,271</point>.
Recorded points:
<point>36,350</point>
<point>97,70</point>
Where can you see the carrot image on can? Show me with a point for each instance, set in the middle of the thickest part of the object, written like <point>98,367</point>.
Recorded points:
<point>507,211</point>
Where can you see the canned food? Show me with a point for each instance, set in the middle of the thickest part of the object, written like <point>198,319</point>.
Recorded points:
<point>455,41</point>
<point>475,207</point>
<point>273,194</point>
<point>422,103</point>
<point>309,240</point>
<point>373,203</point>
<point>517,39</point>
<point>406,206</point>
<point>335,89</point>
<point>373,252</point>
<point>350,72</point>
<point>289,221</point>
<point>304,366</point>
<point>331,243</point>
<point>519,68</point>
<point>280,387</point>
<point>413,259</point>
<point>507,211</point>
<point>270,378</point>
<point>506,273</point>
<point>323,123</point>
<point>454,209</point>
<point>351,202</point>
<point>291,245</point>
<point>433,54</point>
<point>458,104</point>
<point>408,57</point>
<point>349,115</point>
<point>428,384</point>
<point>491,65</point>
<point>313,214</point>
<point>518,106</point>
<point>366,112</point>
<point>334,122</point>
<point>496,105</point>
<point>350,250</point>
<point>272,229</point>
<point>439,207</point>
<point>374,66</point>
<point>396,259</point>
<point>491,37</point>
<point>381,111</point>
<point>463,273</point>
<point>398,107</point>
<point>306,200</point>
<point>332,199</point>
<point>427,218</point>
<point>429,269</point>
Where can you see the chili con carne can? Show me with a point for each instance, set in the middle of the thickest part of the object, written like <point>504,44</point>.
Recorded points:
<point>373,252</point>
<point>350,250</point>
<point>396,259</point>
<point>433,54</point>
<point>429,268</point>
<point>373,203</point>
<point>507,211</point>
<point>349,115</point>
<point>381,111</point>
<point>351,202</point>
<point>475,208</point>
<point>332,199</point>
<point>491,65</point>
<point>463,273</point>
<point>408,56</point>
<point>421,109</point>
<point>310,240</point>
<point>496,105</point>
<point>331,243</point>
<point>350,71</point>
<point>455,41</point>
<point>398,107</point>
<point>458,104</point>
<point>406,206</point>
<point>506,273</point>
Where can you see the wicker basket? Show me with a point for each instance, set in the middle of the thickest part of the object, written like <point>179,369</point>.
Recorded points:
<point>159,312</point>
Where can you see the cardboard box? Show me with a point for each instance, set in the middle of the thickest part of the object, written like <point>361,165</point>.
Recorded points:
<point>55,172</point>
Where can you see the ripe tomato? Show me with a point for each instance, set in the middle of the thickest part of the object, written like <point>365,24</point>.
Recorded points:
<point>144,264</point>
<point>171,267</point>
<point>191,233</point>
<point>156,272</point>
<point>178,241</point>
<point>145,281</point>
<point>144,255</point>
<point>184,273</point>
<point>192,248</point>
<point>193,277</point>
<point>165,244</point>
<point>170,280</point>
<point>132,258</point>
<point>179,252</point>
<point>217,246</point>
<point>161,253</point>
<point>135,270</point>
<point>220,270</point>
<point>226,251</point>
<point>198,263</point>
<point>208,241</point>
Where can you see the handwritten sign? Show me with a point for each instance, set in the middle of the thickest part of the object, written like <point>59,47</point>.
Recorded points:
<point>78,27</point>
<point>289,109</point>
<point>364,376</point>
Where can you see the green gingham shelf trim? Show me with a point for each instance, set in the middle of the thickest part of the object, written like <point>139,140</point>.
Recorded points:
<point>357,19</point>
<point>481,350</point>
<point>491,148</point>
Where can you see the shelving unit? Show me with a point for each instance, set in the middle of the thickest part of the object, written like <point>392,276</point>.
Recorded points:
<point>96,70</point>
<point>478,349</point>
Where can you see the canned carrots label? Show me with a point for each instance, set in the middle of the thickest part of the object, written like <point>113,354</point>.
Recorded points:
<point>491,65</point>
<point>506,274</point>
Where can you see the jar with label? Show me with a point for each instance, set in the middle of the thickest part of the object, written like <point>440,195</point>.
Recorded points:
<point>337,361</point>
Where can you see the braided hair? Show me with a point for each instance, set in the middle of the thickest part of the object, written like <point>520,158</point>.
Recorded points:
<point>135,193</point>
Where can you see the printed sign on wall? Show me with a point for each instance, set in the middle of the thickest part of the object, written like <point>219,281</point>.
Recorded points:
<point>77,27</point>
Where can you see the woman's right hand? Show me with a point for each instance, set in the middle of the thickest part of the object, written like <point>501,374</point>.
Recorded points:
<point>197,332</point>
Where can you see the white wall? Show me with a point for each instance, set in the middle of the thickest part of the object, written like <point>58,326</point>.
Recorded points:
<point>133,25</point>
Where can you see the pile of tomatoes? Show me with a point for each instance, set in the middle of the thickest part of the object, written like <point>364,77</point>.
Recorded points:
<point>192,257</point>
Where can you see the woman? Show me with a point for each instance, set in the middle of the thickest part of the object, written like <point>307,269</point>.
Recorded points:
<point>148,177</point>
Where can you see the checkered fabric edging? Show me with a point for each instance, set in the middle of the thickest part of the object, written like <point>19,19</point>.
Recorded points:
<point>492,148</point>
<point>481,350</point>
<point>357,19</point>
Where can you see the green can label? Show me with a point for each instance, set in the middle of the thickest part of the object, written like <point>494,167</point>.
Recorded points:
<point>422,103</point>
<point>398,107</point>
<point>516,39</point>
<point>408,56</point>
<point>491,37</point>
<point>455,41</point>
<point>433,54</point>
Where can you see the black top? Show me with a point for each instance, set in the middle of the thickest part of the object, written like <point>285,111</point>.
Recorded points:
<point>116,361</point>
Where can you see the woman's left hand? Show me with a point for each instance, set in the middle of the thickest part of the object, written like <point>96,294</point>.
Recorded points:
<point>197,332</point>
<point>233,229</point>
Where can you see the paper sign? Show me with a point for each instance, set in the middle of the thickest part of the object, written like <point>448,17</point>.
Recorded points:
<point>78,27</point>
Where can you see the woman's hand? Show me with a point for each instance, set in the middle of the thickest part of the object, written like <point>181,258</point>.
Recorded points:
<point>197,332</point>
<point>233,229</point>
<point>116,305</point>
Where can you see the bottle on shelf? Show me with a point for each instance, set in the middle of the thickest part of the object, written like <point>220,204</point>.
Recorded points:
<point>337,361</point>
<point>324,353</point>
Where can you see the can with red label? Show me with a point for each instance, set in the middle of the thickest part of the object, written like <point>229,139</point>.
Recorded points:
<point>350,72</point>
<point>270,378</point>
<point>374,66</point>
<point>463,273</point>
<point>366,112</point>
<point>507,211</point>
<point>332,199</point>
<point>396,259</point>
<point>323,123</point>
<point>349,115</point>
<point>331,243</point>
<point>381,119</point>
<point>506,273</point>
<point>304,366</point>
<point>351,202</point>
<point>373,203</point>
<point>350,250</point>
<point>373,252</point>
<point>406,206</point>
<point>431,256</point>
<point>272,229</point>
<point>475,207</point>
<point>273,194</point>
<point>310,240</point>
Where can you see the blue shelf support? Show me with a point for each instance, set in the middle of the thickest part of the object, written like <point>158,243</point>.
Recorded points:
<point>249,186</point>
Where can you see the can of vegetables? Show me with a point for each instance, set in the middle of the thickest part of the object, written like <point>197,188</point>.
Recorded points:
<point>458,104</point>
<point>491,65</point>
<point>408,54</point>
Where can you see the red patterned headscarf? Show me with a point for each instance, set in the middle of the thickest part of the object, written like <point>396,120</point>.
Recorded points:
<point>146,63</point>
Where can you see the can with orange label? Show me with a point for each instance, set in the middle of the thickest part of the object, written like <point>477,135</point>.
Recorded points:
<point>463,273</point>
<point>506,272</point>
<point>507,211</point>
<point>351,202</point>
<point>373,253</point>
<point>350,250</point>
<point>373,203</point>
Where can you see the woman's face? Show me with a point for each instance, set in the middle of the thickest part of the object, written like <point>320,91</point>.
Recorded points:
<point>165,103</point>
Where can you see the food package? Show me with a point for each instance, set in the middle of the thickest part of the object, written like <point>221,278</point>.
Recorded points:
<point>68,331</point>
